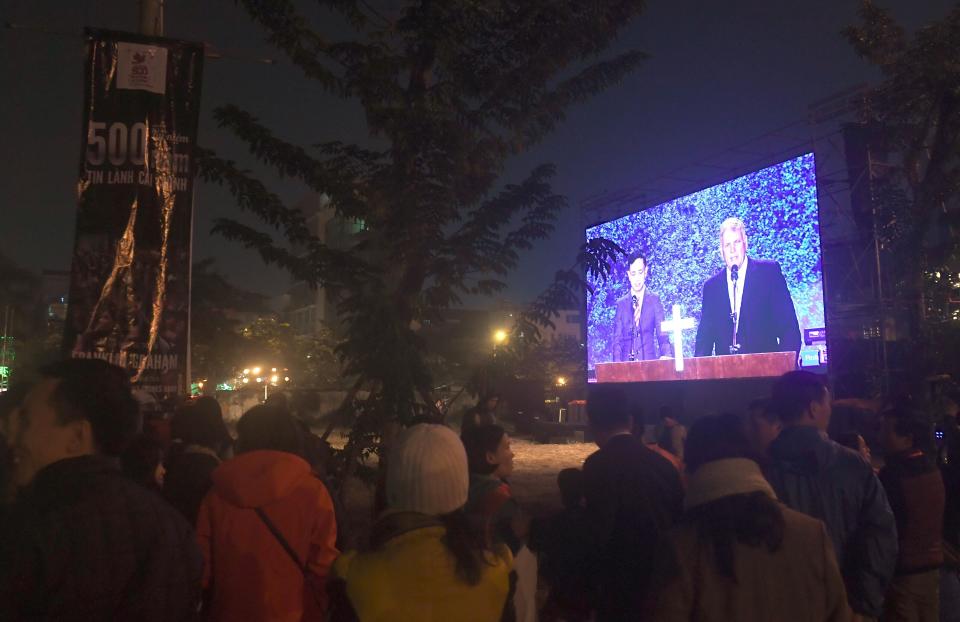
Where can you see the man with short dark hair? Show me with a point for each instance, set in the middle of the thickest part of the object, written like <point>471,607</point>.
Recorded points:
<point>915,489</point>
<point>639,314</point>
<point>83,542</point>
<point>633,496</point>
<point>812,474</point>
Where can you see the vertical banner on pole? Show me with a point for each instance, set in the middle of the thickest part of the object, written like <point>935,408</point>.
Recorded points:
<point>129,285</point>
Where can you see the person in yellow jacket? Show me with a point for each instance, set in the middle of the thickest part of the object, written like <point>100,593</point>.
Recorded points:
<point>425,563</point>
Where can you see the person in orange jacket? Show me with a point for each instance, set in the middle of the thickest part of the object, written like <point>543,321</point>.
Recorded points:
<point>267,528</point>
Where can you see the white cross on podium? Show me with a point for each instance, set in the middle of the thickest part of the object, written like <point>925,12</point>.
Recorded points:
<point>676,326</point>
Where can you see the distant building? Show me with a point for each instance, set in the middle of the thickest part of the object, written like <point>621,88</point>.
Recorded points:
<point>54,290</point>
<point>307,309</point>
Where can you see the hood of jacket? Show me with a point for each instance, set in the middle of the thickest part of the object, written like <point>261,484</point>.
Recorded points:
<point>804,450</point>
<point>724,478</point>
<point>258,478</point>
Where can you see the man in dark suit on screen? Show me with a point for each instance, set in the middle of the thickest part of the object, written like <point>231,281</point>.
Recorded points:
<point>746,306</point>
<point>636,325</point>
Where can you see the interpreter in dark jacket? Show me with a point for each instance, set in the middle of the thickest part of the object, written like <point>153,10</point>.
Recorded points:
<point>915,489</point>
<point>633,495</point>
<point>83,541</point>
<point>637,335</point>
<point>816,476</point>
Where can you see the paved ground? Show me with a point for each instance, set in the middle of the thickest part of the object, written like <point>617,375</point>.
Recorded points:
<point>534,481</point>
<point>536,465</point>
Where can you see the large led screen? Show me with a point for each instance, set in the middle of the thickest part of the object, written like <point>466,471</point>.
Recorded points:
<point>740,260</point>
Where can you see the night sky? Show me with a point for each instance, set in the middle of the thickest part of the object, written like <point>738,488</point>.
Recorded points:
<point>719,73</point>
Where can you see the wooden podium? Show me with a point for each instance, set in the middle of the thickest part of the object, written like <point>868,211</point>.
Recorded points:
<point>700,368</point>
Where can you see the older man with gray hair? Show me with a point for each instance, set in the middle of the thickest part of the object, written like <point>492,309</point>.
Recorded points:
<point>746,306</point>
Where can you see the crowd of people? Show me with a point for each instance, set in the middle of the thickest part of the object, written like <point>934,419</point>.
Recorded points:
<point>753,516</point>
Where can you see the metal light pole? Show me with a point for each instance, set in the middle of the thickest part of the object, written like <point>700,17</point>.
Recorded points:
<point>151,17</point>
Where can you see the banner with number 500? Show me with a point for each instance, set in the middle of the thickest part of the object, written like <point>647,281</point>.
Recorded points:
<point>130,280</point>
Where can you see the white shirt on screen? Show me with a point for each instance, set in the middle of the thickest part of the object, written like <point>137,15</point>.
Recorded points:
<point>741,281</point>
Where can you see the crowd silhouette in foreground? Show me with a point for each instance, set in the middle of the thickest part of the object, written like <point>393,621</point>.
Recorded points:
<point>745,516</point>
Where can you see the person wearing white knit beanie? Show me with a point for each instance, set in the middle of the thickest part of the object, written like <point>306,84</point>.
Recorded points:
<point>425,561</point>
<point>427,471</point>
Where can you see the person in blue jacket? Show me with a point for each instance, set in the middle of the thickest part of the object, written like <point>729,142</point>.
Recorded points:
<point>816,476</point>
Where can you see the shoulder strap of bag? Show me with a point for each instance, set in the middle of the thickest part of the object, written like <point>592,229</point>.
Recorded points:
<point>283,541</point>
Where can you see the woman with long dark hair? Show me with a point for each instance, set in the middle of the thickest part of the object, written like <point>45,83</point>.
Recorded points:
<point>738,553</point>
<point>425,561</point>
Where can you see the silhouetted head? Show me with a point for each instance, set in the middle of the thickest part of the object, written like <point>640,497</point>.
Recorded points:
<point>488,451</point>
<point>79,407</point>
<point>802,398</point>
<point>262,427</point>
<point>716,437</point>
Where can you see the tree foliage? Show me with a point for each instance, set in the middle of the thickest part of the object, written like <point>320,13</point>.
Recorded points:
<point>31,337</point>
<point>226,338</point>
<point>916,111</point>
<point>310,359</point>
<point>918,107</point>
<point>450,91</point>
<point>215,322</point>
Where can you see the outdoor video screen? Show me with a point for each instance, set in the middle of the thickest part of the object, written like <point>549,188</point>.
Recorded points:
<point>739,261</point>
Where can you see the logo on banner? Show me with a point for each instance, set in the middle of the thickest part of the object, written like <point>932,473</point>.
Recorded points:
<point>142,67</point>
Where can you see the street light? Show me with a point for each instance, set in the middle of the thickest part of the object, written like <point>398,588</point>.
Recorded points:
<point>274,379</point>
<point>561,381</point>
<point>499,336</point>
<point>256,370</point>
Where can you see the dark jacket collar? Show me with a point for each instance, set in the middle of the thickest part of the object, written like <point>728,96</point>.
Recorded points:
<point>802,449</point>
<point>622,438</point>
<point>71,468</point>
<point>61,480</point>
<point>796,439</point>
